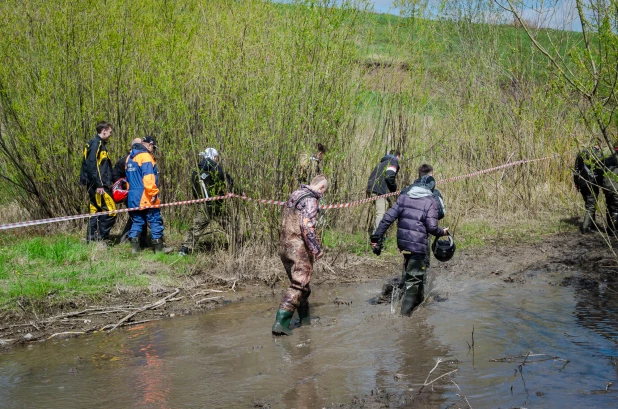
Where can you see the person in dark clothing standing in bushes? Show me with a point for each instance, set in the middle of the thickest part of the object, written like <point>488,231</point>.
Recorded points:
<point>96,175</point>
<point>588,176</point>
<point>209,180</point>
<point>299,248</point>
<point>417,214</point>
<point>311,166</point>
<point>382,181</point>
<point>610,189</point>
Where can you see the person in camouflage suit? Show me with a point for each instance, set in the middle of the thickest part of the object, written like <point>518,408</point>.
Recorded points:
<point>299,249</point>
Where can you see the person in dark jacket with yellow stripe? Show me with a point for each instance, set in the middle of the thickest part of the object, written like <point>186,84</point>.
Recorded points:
<point>96,175</point>
<point>143,180</point>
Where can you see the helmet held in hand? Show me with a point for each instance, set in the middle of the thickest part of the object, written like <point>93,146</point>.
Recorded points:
<point>443,248</point>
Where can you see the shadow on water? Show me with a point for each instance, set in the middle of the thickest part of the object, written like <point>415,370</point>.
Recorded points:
<point>227,357</point>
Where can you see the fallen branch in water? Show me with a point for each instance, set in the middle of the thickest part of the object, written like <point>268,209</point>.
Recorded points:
<point>461,395</point>
<point>207,299</point>
<point>127,324</point>
<point>146,307</point>
<point>439,377</point>
<point>512,358</point>
<point>66,333</point>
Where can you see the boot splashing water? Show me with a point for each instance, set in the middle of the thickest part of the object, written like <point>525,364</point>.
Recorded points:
<point>282,323</point>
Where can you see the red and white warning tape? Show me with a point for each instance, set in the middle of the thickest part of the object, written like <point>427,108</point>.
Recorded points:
<point>264,201</point>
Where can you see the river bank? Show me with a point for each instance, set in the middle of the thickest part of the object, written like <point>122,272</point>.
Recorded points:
<point>201,289</point>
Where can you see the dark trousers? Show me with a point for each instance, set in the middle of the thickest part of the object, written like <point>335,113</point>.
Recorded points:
<point>610,189</point>
<point>100,226</point>
<point>414,281</point>
<point>590,193</point>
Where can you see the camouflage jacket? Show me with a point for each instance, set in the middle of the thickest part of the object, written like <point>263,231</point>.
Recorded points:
<point>299,218</point>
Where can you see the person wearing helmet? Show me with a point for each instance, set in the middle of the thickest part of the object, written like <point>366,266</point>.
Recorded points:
<point>209,180</point>
<point>416,211</point>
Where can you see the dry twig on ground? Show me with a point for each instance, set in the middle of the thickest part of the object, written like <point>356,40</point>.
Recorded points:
<point>157,304</point>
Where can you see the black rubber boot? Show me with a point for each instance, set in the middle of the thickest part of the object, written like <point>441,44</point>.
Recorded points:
<point>410,300</point>
<point>282,323</point>
<point>413,285</point>
<point>135,247</point>
<point>588,224</point>
<point>158,245</point>
<point>303,314</point>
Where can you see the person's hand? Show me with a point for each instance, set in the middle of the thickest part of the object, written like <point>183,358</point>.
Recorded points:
<point>100,191</point>
<point>446,232</point>
<point>154,198</point>
<point>319,255</point>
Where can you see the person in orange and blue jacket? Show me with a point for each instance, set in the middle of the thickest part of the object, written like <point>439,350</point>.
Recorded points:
<point>96,175</point>
<point>143,180</point>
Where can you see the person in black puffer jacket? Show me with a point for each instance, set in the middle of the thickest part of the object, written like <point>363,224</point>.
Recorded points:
<point>426,180</point>
<point>417,214</point>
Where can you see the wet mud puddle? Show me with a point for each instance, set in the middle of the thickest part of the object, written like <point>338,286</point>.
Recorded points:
<point>565,336</point>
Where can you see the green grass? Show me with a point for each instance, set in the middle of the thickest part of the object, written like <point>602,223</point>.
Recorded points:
<point>62,267</point>
<point>59,268</point>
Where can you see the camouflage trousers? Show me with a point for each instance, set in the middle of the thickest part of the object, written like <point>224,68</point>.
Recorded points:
<point>298,264</point>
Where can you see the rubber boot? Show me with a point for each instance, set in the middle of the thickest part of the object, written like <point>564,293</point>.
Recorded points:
<point>135,247</point>
<point>410,300</point>
<point>282,323</point>
<point>303,314</point>
<point>158,245</point>
<point>587,223</point>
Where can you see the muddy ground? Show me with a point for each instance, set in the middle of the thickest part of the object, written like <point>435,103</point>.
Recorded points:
<point>588,254</point>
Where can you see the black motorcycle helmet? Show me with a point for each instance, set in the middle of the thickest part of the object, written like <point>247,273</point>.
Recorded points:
<point>443,248</point>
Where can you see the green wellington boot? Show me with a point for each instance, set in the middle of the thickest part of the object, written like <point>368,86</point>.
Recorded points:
<point>282,323</point>
<point>303,315</point>
<point>135,247</point>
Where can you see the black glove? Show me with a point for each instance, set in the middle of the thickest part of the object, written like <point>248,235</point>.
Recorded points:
<point>377,249</point>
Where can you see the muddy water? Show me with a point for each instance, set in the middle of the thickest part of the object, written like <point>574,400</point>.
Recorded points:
<point>227,357</point>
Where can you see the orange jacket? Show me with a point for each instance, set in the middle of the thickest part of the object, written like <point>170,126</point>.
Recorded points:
<point>142,177</point>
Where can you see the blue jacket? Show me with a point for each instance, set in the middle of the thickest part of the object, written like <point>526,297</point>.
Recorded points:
<point>142,177</point>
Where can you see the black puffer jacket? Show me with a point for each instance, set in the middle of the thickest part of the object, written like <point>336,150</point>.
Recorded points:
<point>430,183</point>
<point>417,215</point>
<point>382,178</point>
